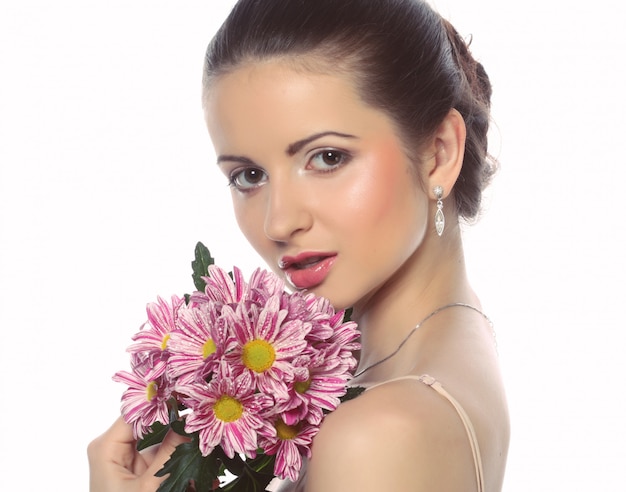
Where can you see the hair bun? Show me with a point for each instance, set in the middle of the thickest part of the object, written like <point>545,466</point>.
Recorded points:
<point>474,72</point>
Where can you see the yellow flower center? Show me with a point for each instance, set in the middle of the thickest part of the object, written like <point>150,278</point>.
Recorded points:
<point>302,386</point>
<point>228,409</point>
<point>151,390</point>
<point>208,348</point>
<point>258,355</point>
<point>286,432</point>
<point>164,342</point>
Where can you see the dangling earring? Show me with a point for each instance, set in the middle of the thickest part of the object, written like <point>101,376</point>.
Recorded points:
<point>440,220</point>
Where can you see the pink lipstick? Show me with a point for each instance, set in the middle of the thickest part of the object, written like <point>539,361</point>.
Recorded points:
<point>307,270</point>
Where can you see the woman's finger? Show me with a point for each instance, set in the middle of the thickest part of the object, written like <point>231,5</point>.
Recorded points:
<point>116,466</point>
<point>116,445</point>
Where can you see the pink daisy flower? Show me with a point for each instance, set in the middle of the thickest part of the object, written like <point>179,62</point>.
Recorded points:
<point>319,390</point>
<point>344,340</point>
<point>319,312</point>
<point>297,307</point>
<point>263,285</point>
<point>223,289</point>
<point>266,344</point>
<point>145,400</point>
<point>155,333</point>
<point>199,342</point>
<point>220,287</point>
<point>256,367</point>
<point>226,412</point>
<point>290,443</point>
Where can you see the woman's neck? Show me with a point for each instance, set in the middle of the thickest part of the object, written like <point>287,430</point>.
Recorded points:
<point>432,277</point>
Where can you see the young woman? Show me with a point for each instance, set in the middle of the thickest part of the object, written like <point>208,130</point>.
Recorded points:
<point>353,134</point>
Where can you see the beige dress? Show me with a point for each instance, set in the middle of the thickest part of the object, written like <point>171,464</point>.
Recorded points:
<point>288,486</point>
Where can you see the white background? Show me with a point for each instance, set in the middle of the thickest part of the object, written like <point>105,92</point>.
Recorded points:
<point>108,180</point>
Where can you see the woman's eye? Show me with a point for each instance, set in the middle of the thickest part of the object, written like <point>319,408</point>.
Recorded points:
<point>328,160</point>
<point>247,179</point>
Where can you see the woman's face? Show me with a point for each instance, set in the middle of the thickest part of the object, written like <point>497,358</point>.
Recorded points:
<point>321,185</point>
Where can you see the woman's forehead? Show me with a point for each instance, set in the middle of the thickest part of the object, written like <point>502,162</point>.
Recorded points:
<point>270,105</point>
<point>276,88</point>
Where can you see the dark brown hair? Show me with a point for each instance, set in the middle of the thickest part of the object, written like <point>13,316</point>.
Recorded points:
<point>405,59</point>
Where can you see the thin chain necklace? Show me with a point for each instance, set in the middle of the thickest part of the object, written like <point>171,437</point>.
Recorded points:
<point>417,326</point>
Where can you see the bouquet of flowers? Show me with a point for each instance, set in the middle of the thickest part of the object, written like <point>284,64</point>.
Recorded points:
<point>246,370</point>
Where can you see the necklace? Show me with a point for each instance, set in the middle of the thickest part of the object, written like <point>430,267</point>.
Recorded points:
<point>416,327</point>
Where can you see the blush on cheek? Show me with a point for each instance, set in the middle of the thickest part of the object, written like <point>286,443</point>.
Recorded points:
<point>389,187</point>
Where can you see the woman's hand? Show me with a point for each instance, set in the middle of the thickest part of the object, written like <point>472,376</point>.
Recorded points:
<point>115,465</point>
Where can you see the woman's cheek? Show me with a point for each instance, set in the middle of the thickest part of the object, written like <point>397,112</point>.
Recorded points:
<point>250,220</point>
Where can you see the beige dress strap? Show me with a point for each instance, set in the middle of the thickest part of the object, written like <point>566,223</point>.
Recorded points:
<point>467,423</point>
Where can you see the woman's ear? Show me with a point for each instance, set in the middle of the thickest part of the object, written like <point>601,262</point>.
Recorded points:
<point>445,154</point>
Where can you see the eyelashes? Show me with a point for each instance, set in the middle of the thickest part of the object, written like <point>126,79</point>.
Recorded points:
<point>329,160</point>
<point>249,178</point>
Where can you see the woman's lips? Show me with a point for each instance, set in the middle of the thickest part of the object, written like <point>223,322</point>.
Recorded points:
<point>307,270</point>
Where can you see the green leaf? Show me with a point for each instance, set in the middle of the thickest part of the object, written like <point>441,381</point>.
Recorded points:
<point>352,392</point>
<point>235,465</point>
<point>178,426</point>
<point>347,315</point>
<point>200,266</point>
<point>250,481</point>
<point>263,464</point>
<point>253,476</point>
<point>156,436</point>
<point>186,464</point>
<point>246,483</point>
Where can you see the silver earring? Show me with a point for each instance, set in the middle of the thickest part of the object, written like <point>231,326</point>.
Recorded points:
<point>440,220</point>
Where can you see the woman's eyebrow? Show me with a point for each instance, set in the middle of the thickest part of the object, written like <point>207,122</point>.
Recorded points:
<point>296,146</point>
<point>291,150</point>
<point>235,158</point>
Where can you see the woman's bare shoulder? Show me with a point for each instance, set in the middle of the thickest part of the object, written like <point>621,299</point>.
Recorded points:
<point>414,438</point>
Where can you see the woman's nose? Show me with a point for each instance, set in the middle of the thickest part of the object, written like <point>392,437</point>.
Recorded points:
<point>287,212</point>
